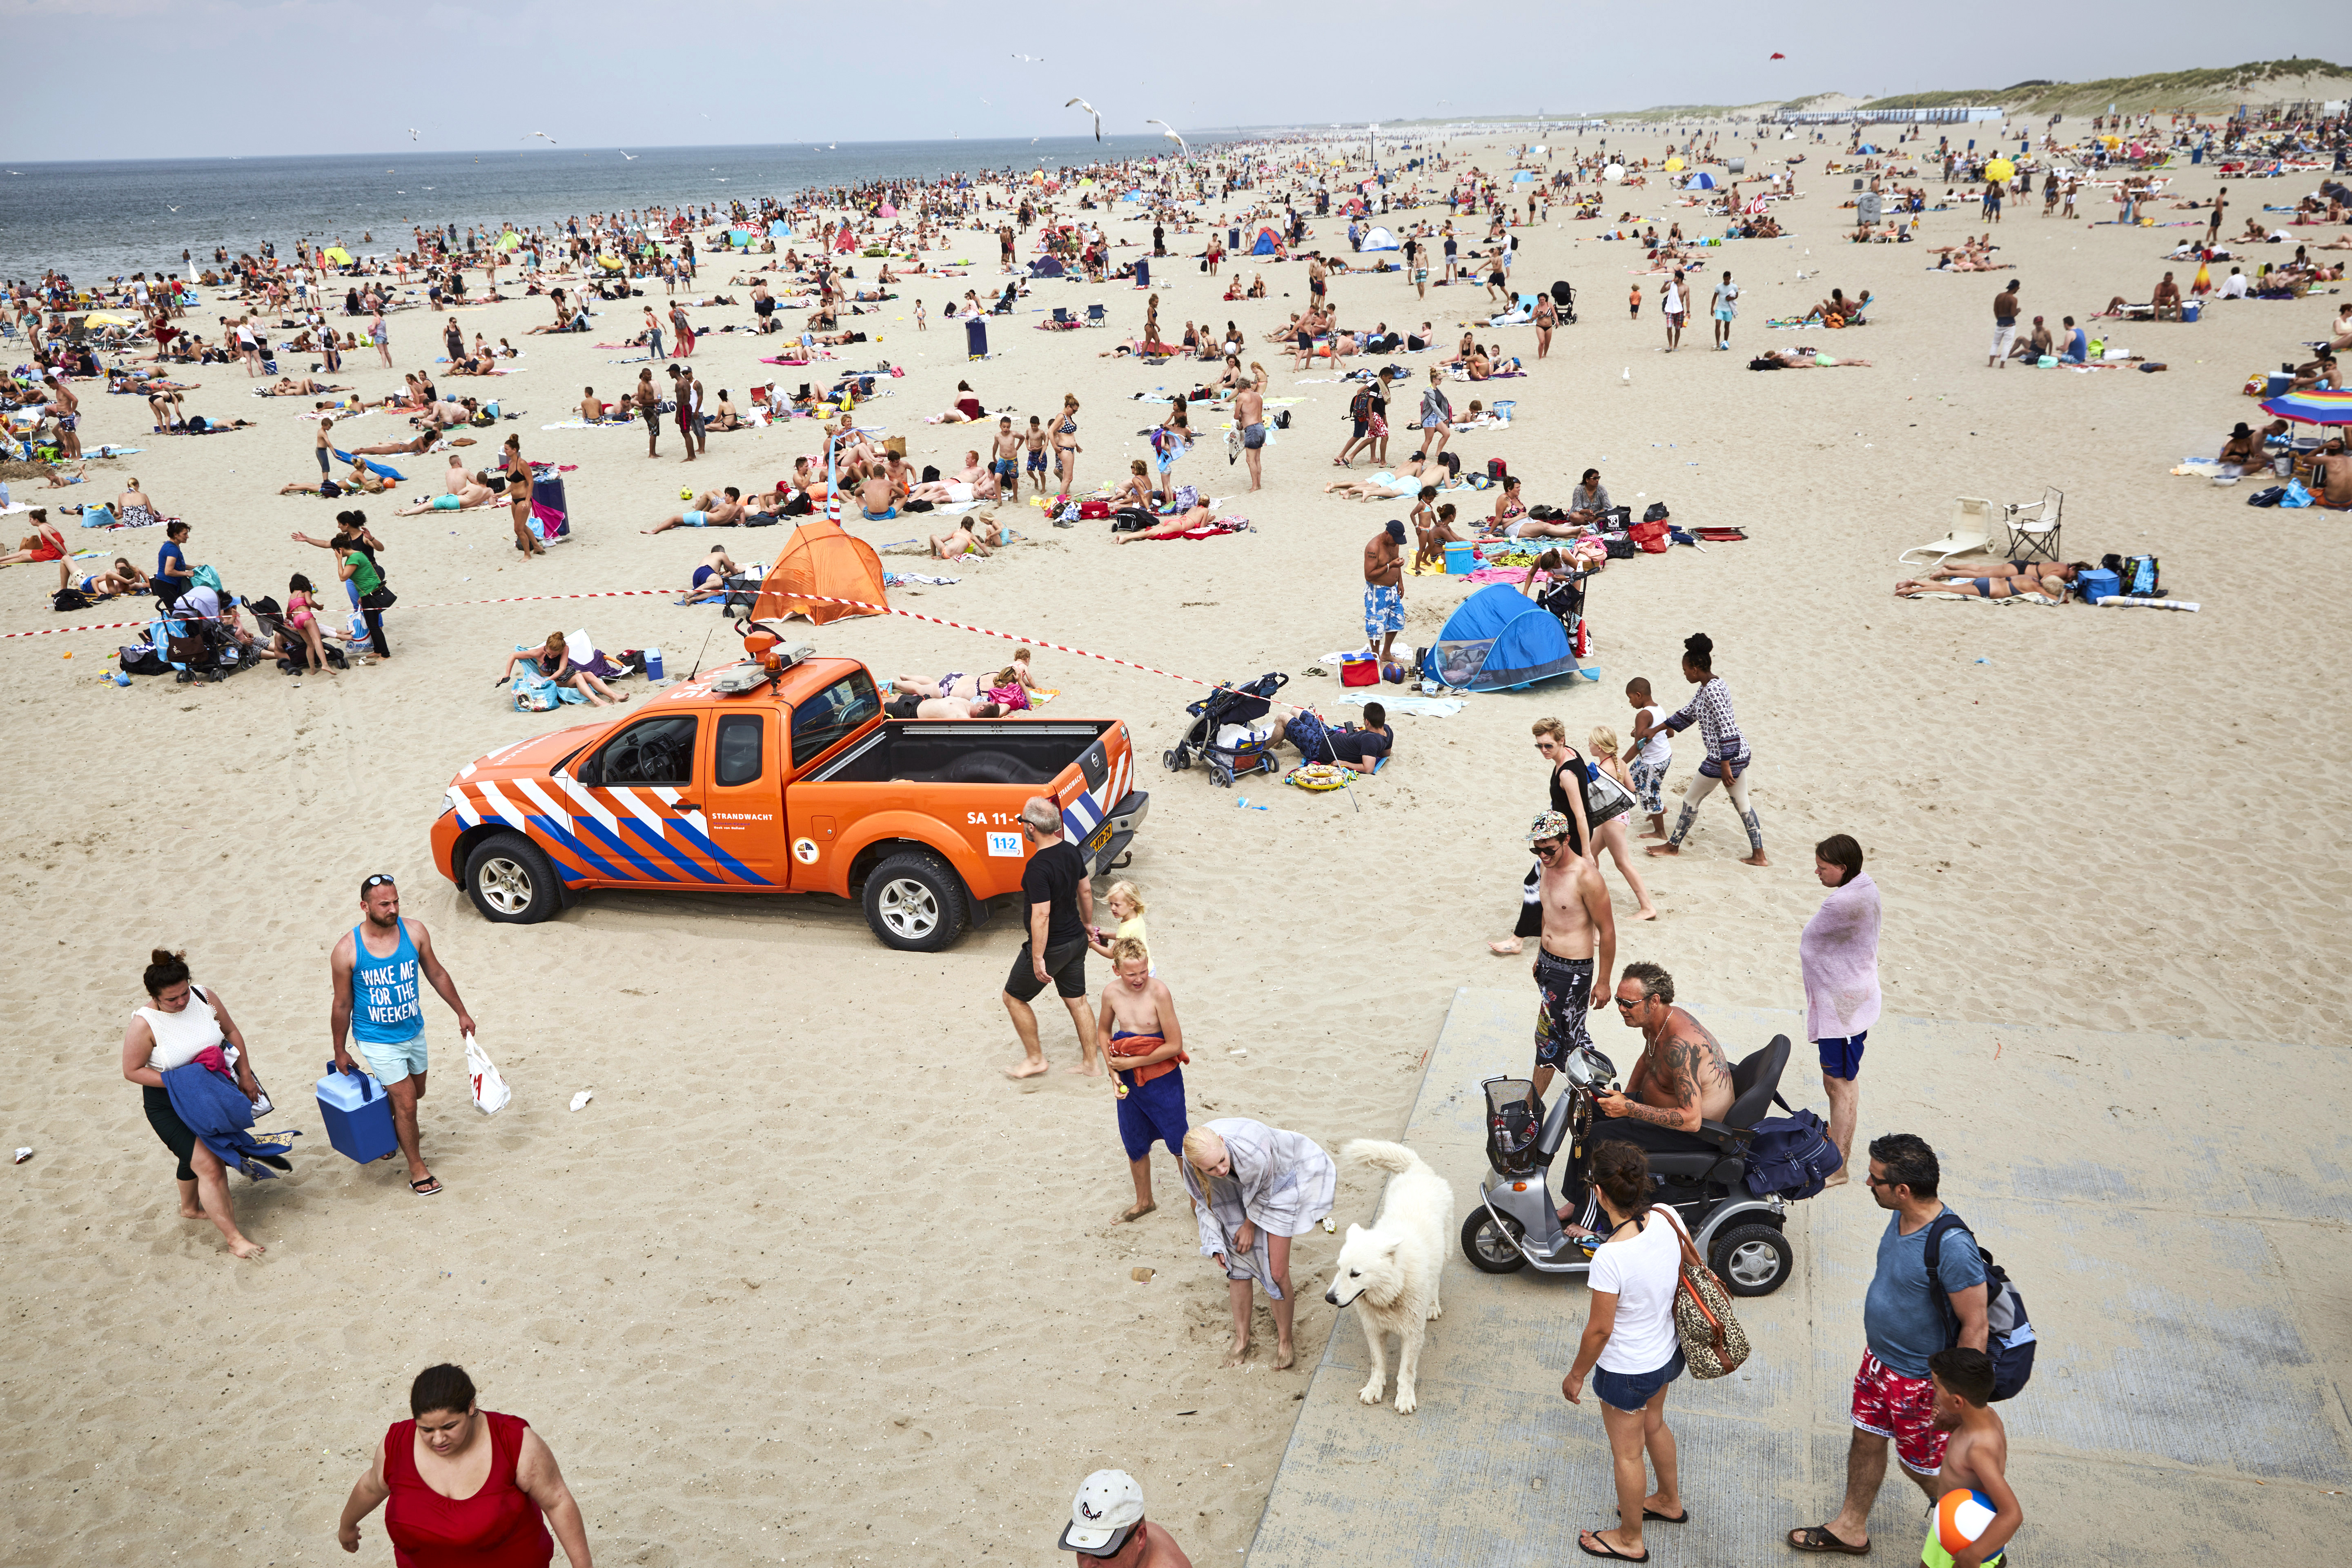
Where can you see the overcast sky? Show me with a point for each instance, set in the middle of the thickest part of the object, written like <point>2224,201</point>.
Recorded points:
<point>199,78</point>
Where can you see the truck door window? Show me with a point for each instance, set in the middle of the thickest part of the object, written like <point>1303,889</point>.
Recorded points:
<point>655,752</point>
<point>832,713</point>
<point>739,749</point>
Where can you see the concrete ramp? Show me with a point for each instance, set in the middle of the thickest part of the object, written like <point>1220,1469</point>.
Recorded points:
<point>2172,1210</point>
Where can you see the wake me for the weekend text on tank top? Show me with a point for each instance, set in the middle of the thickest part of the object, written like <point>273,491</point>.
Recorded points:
<point>385,1007</point>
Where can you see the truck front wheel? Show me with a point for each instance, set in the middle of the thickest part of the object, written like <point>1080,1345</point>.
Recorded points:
<point>511,881</point>
<point>915,902</point>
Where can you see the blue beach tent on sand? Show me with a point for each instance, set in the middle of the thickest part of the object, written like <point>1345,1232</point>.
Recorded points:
<point>1498,639</point>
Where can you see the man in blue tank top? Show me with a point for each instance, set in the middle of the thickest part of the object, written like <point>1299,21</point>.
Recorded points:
<point>378,967</point>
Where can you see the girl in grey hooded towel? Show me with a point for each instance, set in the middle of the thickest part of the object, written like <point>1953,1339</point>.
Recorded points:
<point>1254,1187</point>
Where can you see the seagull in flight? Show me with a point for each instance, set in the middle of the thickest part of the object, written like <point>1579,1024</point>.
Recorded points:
<point>632,157</point>
<point>175,209</point>
<point>412,134</point>
<point>1090,109</point>
<point>542,136</point>
<point>1034,60</point>
<point>1170,131</point>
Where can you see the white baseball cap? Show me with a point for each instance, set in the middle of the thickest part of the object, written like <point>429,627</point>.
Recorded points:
<point>1108,1505</point>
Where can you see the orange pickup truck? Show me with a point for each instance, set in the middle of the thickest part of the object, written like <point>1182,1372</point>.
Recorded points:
<point>783,776</point>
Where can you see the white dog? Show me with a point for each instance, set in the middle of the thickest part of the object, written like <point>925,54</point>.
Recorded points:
<point>1390,1272</point>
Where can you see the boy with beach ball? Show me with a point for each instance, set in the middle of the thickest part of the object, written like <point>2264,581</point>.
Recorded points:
<point>1976,1514</point>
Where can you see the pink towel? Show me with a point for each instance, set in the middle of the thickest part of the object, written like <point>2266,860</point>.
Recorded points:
<point>1839,955</point>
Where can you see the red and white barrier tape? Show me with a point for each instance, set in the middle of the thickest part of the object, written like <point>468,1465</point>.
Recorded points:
<point>639,593</point>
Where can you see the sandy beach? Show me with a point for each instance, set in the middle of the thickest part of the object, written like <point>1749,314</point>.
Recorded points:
<point>809,1282</point>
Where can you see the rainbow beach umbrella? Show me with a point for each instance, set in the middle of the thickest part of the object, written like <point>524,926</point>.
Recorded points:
<point>2314,408</point>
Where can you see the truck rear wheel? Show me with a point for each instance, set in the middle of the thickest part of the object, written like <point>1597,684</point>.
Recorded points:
<point>511,881</point>
<point>915,902</point>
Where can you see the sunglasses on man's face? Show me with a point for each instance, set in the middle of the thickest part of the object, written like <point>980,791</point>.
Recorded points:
<point>1627,1004</point>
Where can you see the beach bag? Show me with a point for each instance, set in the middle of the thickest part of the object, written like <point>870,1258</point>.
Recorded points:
<point>1766,361</point>
<point>1656,513</point>
<point>1089,510</point>
<point>1649,536</point>
<point>2270,495</point>
<point>1712,1340</point>
<point>2295,494</point>
<point>69,599</point>
<point>2143,576</point>
<point>491,1091</point>
<point>1619,547</point>
<point>139,659</point>
<point>384,598</point>
<point>1498,470</point>
<point>1604,798</point>
<point>2009,1338</point>
<point>1791,1156</point>
<point>1187,496</point>
<point>533,692</point>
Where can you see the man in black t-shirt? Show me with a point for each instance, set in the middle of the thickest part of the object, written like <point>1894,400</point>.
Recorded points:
<point>1060,904</point>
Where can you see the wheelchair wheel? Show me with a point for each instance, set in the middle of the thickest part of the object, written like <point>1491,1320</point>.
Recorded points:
<point>1492,1246</point>
<point>1753,1259</point>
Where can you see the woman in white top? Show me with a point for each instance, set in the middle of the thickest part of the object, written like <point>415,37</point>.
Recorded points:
<point>177,1026</point>
<point>1630,1350</point>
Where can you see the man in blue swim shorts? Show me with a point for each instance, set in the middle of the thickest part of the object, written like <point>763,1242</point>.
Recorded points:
<point>1384,588</point>
<point>1144,1046</point>
<point>711,509</point>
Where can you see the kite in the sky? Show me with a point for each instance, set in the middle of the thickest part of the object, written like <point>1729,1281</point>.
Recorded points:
<point>1780,57</point>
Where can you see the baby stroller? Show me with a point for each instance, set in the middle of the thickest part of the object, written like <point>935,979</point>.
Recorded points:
<point>199,649</point>
<point>1565,599</point>
<point>1223,731</point>
<point>1564,298</point>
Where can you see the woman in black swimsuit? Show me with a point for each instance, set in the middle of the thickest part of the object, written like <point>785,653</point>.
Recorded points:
<point>1568,799</point>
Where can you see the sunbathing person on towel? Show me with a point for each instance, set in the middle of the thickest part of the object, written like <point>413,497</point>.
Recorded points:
<point>2004,582</point>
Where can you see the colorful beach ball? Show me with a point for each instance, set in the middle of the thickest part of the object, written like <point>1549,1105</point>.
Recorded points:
<point>1613,172</point>
<point>1999,169</point>
<point>1674,165</point>
<point>1961,1517</point>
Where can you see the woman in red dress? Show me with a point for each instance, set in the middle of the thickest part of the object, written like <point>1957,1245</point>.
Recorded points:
<point>469,1488</point>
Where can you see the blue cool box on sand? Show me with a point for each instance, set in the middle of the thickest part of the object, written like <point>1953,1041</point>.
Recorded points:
<point>357,1114</point>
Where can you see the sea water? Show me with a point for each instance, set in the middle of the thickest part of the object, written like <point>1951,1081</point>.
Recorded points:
<point>95,220</point>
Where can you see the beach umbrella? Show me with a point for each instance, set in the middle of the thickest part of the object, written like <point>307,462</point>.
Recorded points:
<point>1613,172</point>
<point>1999,169</point>
<point>2314,408</point>
<point>106,319</point>
<point>1674,165</point>
<point>338,255</point>
<point>886,210</point>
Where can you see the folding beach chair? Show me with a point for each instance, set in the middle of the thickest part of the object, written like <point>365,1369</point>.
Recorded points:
<point>1971,534</point>
<point>1061,316</point>
<point>1094,317</point>
<point>2033,527</point>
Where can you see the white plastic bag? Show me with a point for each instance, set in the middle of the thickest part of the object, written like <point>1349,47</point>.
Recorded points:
<point>491,1091</point>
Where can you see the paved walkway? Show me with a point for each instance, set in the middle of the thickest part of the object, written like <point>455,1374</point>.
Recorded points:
<point>2190,1281</point>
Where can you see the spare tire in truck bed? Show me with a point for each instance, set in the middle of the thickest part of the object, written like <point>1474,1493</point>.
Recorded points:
<point>990,767</point>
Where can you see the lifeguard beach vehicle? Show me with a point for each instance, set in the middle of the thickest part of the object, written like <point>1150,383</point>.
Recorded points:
<point>781,774</point>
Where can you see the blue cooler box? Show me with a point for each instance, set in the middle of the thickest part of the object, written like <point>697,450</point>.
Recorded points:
<point>357,1114</point>
<point>2097,584</point>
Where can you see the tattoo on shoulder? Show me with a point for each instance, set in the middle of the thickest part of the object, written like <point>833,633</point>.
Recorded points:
<point>1674,1077</point>
<point>1703,1052</point>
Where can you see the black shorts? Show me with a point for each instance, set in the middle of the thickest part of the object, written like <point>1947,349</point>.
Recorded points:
<point>175,1133</point>
<point>1067,964</point>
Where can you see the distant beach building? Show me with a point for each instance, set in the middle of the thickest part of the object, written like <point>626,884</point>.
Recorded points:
<point>1944,114</point>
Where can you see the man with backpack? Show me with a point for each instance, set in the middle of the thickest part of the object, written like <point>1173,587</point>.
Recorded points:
<point>1906,1317</point>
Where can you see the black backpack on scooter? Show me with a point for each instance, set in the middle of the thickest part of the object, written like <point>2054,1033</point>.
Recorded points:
<point>1792,1156</point>
<point>2009,1331</point>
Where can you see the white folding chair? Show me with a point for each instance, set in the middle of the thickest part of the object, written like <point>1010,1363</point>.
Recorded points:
<point>2033,527</point>
<point>1971,533</point>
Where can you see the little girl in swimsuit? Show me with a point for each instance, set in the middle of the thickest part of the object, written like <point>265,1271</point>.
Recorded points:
<point>301,617</point>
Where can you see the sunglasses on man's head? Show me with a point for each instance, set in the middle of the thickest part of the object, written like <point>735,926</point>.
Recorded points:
<point>380,880</point>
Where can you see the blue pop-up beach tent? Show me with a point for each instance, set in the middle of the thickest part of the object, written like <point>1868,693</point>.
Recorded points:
<point>1500,640</point>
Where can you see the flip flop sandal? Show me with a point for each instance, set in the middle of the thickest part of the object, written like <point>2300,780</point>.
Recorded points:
<point>1605,1550</point>
<point>1652,1516</point>
<point>425,1188</point>
<point>1817,1538</point>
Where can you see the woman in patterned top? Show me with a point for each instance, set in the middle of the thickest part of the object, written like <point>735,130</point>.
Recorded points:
<point>1727,756</point>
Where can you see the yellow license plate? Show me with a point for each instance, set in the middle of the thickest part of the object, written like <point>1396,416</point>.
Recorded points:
<point>1099,836</point>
